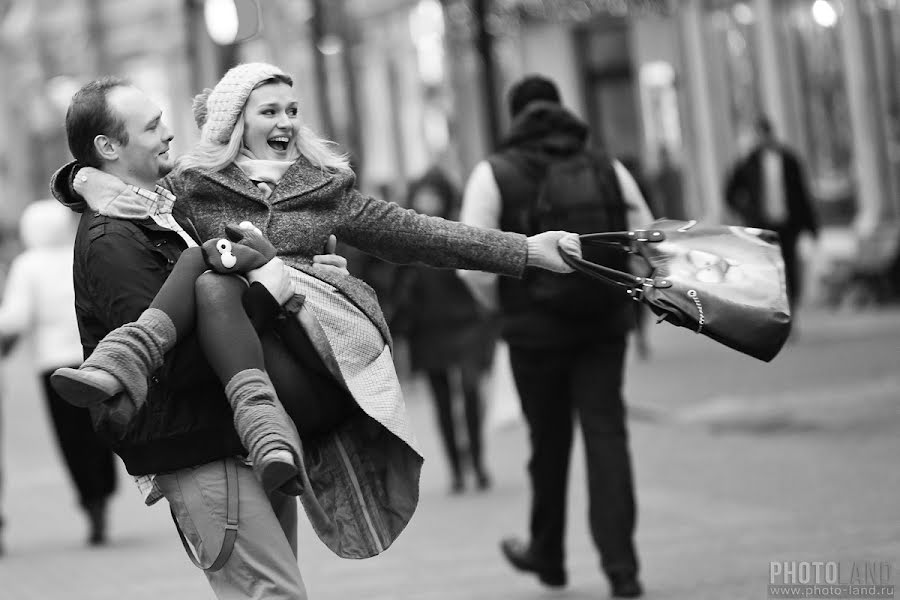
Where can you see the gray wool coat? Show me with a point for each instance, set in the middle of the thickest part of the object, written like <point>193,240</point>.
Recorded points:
<point>308,205</point>
<point>362,480</point>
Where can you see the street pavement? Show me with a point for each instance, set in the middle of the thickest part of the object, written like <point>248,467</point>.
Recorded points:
<point>738,463</point>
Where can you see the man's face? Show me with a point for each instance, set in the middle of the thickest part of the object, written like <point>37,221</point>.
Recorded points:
<point>145,157</point>
<point>271,122</point>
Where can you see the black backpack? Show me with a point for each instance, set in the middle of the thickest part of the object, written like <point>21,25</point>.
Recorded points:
<point>579,193</point>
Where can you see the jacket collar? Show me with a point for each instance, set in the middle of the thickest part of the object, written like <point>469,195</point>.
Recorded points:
<point>300,178</point>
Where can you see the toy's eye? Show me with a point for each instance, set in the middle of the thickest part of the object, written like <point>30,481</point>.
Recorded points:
<point>223,246</point>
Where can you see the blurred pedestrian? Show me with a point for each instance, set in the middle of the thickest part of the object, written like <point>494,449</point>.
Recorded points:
<point>450,337</point>
<point>768,189</point>
<point>567,350</point>
<point>666,184</point>
<point>39,303</point>
<point>6,344</point>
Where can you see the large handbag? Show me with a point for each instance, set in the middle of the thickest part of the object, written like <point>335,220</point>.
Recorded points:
<point>721,281</point>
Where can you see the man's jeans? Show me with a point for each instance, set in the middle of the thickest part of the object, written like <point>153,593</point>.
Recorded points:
<point>263,564</point>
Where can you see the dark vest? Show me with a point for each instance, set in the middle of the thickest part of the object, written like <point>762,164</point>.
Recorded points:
<point>523,323</point>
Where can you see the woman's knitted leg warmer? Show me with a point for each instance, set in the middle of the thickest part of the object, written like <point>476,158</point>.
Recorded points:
<point>132,352</point>
<point>259,418</point>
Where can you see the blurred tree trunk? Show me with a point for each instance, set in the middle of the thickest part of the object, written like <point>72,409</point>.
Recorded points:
<point>349,35</point>
<point>97,34</point>
<point>318,26</point>
<point>484,42</point>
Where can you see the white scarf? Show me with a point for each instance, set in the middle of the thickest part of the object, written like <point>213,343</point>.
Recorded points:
<point>264,173</point>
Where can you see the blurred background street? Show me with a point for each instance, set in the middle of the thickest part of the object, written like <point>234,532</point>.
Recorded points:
<point>738,463</point>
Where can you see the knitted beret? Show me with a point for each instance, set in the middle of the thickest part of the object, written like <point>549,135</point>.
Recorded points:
<point>219,112</point>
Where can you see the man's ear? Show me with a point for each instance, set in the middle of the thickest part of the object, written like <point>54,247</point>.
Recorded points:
<point>106,147</point>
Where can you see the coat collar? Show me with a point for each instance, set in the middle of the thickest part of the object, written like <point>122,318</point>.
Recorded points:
<point>300,178</point>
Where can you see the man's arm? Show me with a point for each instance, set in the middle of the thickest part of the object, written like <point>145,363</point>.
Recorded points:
<point>809,219</point>
<point>637,213</point>
<point>16,307</point>
<point>736,193</point>
<point>481,207</point>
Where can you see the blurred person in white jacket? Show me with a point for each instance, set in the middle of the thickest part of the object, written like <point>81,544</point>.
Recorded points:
<point>39,304</point>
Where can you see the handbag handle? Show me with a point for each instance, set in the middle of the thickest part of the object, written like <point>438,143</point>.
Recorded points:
<point>623,238</point>
<point>634,285</point>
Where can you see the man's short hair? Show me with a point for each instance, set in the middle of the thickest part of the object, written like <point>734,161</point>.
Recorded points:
<point>531,88</point>
<point>89,115</point>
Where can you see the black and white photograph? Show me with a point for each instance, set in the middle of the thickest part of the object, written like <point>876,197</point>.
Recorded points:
<point>449,299</point>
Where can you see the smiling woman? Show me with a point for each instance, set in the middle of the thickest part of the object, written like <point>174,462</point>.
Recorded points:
<point>271,122</point>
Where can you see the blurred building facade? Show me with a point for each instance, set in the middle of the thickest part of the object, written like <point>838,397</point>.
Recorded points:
<point>401,84</point>
<point>689,78</point>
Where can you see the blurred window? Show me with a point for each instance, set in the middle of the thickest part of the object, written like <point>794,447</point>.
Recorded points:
<point>882,22</point>
<point>732,58</point>
<point>612,104</point>
<point>814,44</point>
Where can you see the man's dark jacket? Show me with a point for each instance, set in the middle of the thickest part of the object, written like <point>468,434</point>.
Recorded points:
<point>119,266</point>
<point>744,193</point>
<point>542,133</point>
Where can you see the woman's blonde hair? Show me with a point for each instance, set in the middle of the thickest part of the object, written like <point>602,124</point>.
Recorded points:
<point>209,155</point>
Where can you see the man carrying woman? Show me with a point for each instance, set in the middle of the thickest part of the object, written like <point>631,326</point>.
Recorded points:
<point>256,162</point>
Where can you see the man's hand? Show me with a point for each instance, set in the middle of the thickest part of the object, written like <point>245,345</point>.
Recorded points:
<point>543,250</point>
<point>329,261</point>
<point>276,278</point>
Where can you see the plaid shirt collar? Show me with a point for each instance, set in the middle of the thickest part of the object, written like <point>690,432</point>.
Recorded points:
<point>161,199</point>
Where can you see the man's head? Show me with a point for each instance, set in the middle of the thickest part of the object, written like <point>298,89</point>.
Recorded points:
<point>764,132</point>
<point>115,127</point>
<point>530,89</point>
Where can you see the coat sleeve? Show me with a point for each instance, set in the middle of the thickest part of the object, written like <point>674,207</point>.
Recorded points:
<point>16,308</point>
<point>404,236</point>
<point>808,217</point>
<point>482,207</point>
<point>637,213</point>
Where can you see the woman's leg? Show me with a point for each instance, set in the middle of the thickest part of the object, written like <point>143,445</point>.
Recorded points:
<point>470,376</point>
<point>443,404</point>
<point>233,349</point>
<point>127,356</point>
<point>315,399</point>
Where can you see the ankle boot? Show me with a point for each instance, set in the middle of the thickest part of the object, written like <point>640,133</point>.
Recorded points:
<point>129,354</point>
<point>96,513</point>
<point>266,430</point>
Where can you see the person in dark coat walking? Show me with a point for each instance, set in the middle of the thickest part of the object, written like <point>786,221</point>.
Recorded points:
<point>768,189</point>
<point>449,334</point>
<point>564,364</point>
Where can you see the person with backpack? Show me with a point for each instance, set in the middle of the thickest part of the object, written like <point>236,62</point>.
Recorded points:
<point>567,334</point>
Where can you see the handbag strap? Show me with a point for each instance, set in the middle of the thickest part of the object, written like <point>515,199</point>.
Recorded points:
<point>623,238</point>
<point>633,285</point>
<point>231,522</point>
